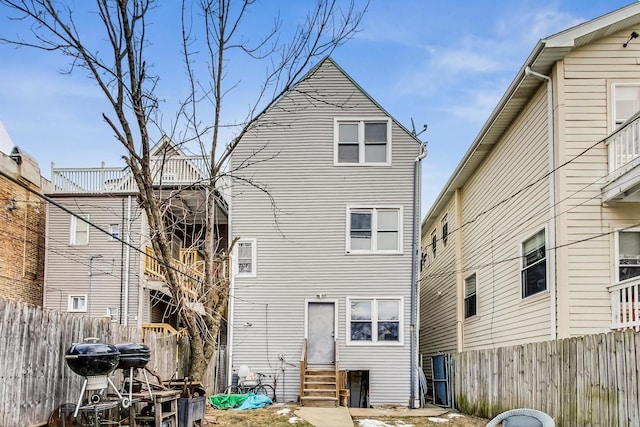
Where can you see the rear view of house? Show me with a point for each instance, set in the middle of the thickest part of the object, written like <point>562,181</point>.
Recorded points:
<point>536,235</point>
<point>323,210</point>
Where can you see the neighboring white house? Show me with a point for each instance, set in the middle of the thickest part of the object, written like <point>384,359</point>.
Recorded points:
<point>323,196</point>
<point>536,235</point>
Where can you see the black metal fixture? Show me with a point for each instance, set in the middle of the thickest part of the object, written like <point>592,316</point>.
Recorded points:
<point>133,356</point>
<point>633,35</point>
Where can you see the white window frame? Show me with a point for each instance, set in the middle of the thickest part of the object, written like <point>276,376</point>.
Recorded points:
<point>254,261</point>
<point>114,236</point>
<point>72,297</point>
<point>73,230</point>
<point>617,253</point>
<point>361,145</point>
<point>113,313</point>
<point>374,322</point>
<point>434,242</point>
<point>614,113</point>
<point>475,273</point>
<point>444,229</point>
<point>546,260</point>
<point>374,229</point>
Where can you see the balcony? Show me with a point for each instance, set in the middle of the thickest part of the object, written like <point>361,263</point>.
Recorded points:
<point>171,171</point>
<point>625,304</point>
<point>191,262</point>
<point>623,147</point>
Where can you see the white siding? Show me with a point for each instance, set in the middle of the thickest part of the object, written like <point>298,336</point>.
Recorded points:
<point>300,233</point>
<point>586,78</point>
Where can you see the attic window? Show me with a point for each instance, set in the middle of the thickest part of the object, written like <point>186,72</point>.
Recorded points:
<point>362,141</point>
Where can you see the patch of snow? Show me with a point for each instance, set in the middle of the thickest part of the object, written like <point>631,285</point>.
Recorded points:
<point>294,420</point>
<point>373,423</point>
<point>452,415</point>
<point>283,411</point>
<point>438,420</point>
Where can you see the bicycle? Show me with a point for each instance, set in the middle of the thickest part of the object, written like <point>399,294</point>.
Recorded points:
<point>252,383</point>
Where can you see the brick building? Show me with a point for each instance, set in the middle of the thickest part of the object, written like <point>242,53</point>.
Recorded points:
<point>22,228</point>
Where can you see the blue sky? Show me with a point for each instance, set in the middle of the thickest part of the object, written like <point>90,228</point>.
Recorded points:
<point>441,63</point>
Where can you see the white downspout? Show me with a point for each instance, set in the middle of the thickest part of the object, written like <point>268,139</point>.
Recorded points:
<point>415,279</point>
<point>552,202</point>
<point>127,262</point>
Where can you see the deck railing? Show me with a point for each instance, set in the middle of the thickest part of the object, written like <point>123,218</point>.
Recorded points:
<point>625,304</point>
<point>623,147</point>
<point>184,170</point>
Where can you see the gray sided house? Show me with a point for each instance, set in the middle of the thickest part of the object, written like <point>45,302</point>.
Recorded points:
<point>98,259</point>
<point>323,210</point>
<point>536,235</point>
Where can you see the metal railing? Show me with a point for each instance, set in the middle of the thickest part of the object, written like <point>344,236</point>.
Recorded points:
<point>625,304</point>
<point>183,170</point>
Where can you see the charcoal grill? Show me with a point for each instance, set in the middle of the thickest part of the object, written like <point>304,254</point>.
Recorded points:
<point>134,356</point>
<point>94,361</point>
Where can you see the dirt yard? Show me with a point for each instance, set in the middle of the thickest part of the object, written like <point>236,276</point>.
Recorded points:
<point>282,415</point>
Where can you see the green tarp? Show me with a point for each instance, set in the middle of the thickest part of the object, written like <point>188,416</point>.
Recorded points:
<point>226,401</point>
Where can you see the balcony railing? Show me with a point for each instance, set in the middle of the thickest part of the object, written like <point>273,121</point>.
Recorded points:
<point>624,147</point>
<point>183,170</point>
<point>191,263</point>
<point>625,304</point>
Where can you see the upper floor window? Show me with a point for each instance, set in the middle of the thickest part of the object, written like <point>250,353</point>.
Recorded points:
<point>77,303</point>
<point>628,255</point>
<point>470,299</point>
<point>114,231</point>
<point>434,242</point>
<point>374,320</point>
<point>374,230</point>
<point>534,264</point>
<point>79,234</point>
<point>445,231</point>
<point>246,257</point>
<point>362,141</point>
<point>626,102</point>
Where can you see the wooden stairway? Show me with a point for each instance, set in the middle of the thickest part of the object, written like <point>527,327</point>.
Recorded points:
<point>319,388</point>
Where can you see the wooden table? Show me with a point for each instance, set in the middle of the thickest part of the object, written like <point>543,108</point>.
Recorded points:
<point>165,405</point>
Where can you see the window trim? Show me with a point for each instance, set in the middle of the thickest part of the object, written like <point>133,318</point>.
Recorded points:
<point>616,246</point>
<point>361,121</point>
<point>112,236</point>
<point>374,315</point>
<point>475,293</point>
<point>546,260</point>
<point>612,122</point>
<point>73,229</point>
<point>374,230</point>
<point>254,258</point>
<point>70,303</point>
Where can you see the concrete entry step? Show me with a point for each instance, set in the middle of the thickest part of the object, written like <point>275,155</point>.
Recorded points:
<point>326,417</point>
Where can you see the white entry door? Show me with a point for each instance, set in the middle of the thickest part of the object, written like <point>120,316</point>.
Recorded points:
<point>321,333</point>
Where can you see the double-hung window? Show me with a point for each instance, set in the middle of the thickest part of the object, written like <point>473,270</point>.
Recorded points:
<point>470,299</point>
<point>362,141</point>
<point>626,102</point>
<point>628,254</point>
<point>114,231</point>
<point>77,303</point>
<point>374,230</point>
<point>246,258</point>
<point>374,320</point>
<point>534,264</point>
<point>79,231</point>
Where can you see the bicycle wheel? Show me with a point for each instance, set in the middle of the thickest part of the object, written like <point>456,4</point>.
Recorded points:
<point>267,390</point>
<point>232,389</point>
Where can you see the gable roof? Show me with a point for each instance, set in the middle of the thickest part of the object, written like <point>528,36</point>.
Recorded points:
<point>320,64</point>
<point>541,60</point>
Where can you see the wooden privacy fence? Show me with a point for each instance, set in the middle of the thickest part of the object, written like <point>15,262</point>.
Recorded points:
<point>34,378</point>
<point>592,380</point>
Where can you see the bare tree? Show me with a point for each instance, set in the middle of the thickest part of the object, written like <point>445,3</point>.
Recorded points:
<point>211,33</point>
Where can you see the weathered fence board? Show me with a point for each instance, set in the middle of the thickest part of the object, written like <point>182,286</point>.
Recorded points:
<point>34,378</point>
<point>583,381</point>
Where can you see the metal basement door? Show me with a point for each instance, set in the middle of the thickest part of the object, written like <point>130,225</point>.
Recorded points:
<point>321,332</point>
